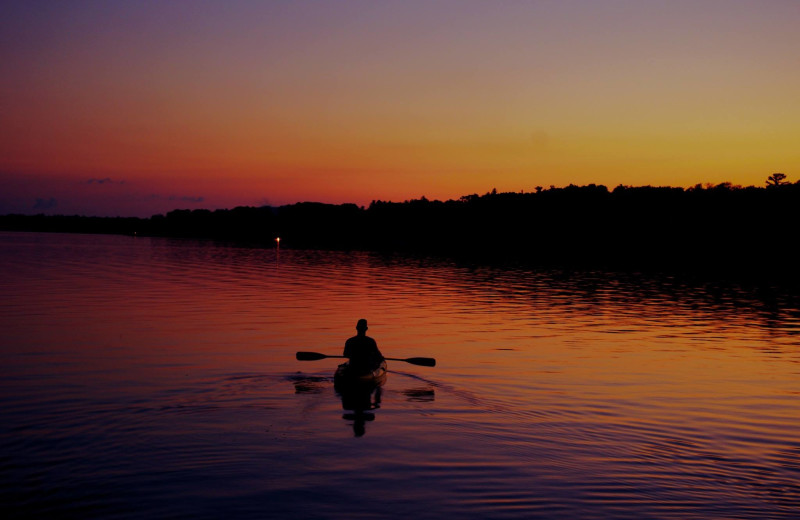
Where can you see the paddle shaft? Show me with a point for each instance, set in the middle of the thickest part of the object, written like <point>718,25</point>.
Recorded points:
<point>313,356</point>
<point>327,356</point>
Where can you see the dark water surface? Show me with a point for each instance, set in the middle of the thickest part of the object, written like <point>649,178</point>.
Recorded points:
<point>151,378</point>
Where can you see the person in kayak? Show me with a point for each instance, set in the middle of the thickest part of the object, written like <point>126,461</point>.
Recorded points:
<point>362,350</point>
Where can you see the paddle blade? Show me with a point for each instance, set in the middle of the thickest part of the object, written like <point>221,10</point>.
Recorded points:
<point>421,361</point>
<point>309,356</point>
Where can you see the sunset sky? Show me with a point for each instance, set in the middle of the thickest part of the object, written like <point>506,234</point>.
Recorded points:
<point>140,107</point>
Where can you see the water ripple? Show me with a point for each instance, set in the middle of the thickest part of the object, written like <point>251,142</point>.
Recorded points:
<point>150,377</point>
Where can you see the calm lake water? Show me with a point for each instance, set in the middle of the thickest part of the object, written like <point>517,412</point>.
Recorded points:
<point>155,378</point>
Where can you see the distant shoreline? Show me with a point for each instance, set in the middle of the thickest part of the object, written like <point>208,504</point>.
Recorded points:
<point>717,230</point>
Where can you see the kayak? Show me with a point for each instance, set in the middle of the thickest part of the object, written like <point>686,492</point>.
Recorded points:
<point>360,392</point>
<point>344,376</point>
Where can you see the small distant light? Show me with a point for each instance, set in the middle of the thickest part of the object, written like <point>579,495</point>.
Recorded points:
<point>278,239</point>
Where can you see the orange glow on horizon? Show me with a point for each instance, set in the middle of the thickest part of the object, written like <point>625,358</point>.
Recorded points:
<point>289,106</point>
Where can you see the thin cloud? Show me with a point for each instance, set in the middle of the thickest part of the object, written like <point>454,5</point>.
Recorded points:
<point>42,204</point>
<point>106,180</point>
<point>179,198</point>
<point>186,199</point>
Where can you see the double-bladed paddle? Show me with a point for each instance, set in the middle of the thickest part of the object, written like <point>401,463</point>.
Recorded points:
<point>421,361</point>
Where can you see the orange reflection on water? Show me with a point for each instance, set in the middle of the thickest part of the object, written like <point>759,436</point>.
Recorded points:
<point>575,394</point>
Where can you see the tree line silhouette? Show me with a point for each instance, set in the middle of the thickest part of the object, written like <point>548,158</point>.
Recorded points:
<point>718,228</point>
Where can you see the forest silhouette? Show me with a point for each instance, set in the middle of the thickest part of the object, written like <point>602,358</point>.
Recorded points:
<point>721,228</point>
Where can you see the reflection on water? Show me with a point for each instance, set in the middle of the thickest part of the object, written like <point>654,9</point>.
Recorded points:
<point>145,377</point>
<point>360,402</point>
<point>420,395</point>
<point>309,384</point>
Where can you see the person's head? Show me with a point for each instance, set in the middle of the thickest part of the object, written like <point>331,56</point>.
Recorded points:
<point>361,326</point>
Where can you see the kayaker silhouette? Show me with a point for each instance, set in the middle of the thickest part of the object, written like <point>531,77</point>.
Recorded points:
<point>362,350</point>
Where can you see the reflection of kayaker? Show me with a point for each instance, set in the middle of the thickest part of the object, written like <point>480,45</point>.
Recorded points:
<point>362,351</point>
<point>360,393</point>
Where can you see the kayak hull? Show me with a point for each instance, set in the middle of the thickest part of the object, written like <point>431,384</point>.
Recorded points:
<point>359,392</point>
<point>344,377</point>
